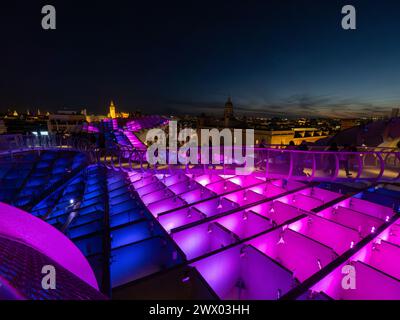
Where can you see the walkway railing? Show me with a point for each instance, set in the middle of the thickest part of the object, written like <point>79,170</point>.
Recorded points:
<point>269,162</point>
<point>11,145</point>
<point>272,162</point>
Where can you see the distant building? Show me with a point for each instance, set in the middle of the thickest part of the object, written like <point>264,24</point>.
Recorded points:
<point>228,111</point>
<point>66,121</point>
<point>112,113</point>
<point>3,128</point>
<point>269,134</point>
<point>297,135</point>
<point>22,124</point>
<point>348,123</point>
<point>95,118</point>
<point>395,113</point>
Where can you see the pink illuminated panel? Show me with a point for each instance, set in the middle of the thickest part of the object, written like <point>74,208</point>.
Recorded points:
<point>196,195</point>
<point>170,180</point>
<point>372,209</point>
<point>268,190</point>
<point>152,187</point>
<point>245,224</point>
<point>203,239</point>
<point>296,252</point>
<point>156,196</point>
<point>216,206</point>
<point>165,205</point>
<point>244,197</point>
<point>375,269</point>
<point>185,186</point>
<point>207,179</point>
<point>340,238</point>
<point>371,284</point>
<point>277,211</point>
<point>365,224</point>
<point>223,187</point>
<point>321,194</point>
<point>385,256</point>
<point>245,181</point>
<point>180,218</point>
<point>245,273</point>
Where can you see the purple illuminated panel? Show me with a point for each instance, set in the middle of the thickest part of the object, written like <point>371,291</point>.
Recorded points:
<point>372,209</point>
<point>223,187</point>
<point>365,224</point>
<point>165,205</point>
<point>392,234</point>
<point>216,206</point>
<point>296,252</point>
<point>385,257</point>
<point>156,196</point>
<point>245,181</point>
<point>277,211</point>
<point>173,179</point>
<point>140,183</point>
<point>268,190</point>
<point>134,140</point>
<point>376,273</point>
<point>180,218</point>
<point>152,187</point>
<point>207,179</point>
<point>244,197</point>
<point>182,187</point>
<point>245,224</point>
<point>371,284</point>
<point>336,236</point>
<point>322,194</point>
<point>245,273</point>
<point>196,195</point>
<point>134,177</point>
<point>203,239</point>
<point>306,202</point>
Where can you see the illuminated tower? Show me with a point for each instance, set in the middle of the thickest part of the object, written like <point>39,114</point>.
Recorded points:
<point>228,111</point>
<point>112,110</point>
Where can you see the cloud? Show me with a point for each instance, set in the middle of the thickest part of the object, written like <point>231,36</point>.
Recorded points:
<point>298,105</point>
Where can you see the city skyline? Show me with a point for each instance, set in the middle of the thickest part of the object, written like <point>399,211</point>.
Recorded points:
<point>275,59</point>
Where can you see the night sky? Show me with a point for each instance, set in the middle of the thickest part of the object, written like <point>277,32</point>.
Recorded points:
<point>273,57</point>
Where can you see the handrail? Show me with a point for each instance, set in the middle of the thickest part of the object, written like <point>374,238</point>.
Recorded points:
<point>309,165</point>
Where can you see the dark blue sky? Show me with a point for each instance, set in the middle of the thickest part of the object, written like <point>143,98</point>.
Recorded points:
<point>274,57</point>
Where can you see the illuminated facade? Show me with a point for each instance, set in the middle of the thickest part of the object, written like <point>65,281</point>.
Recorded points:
<point>112,113</point>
